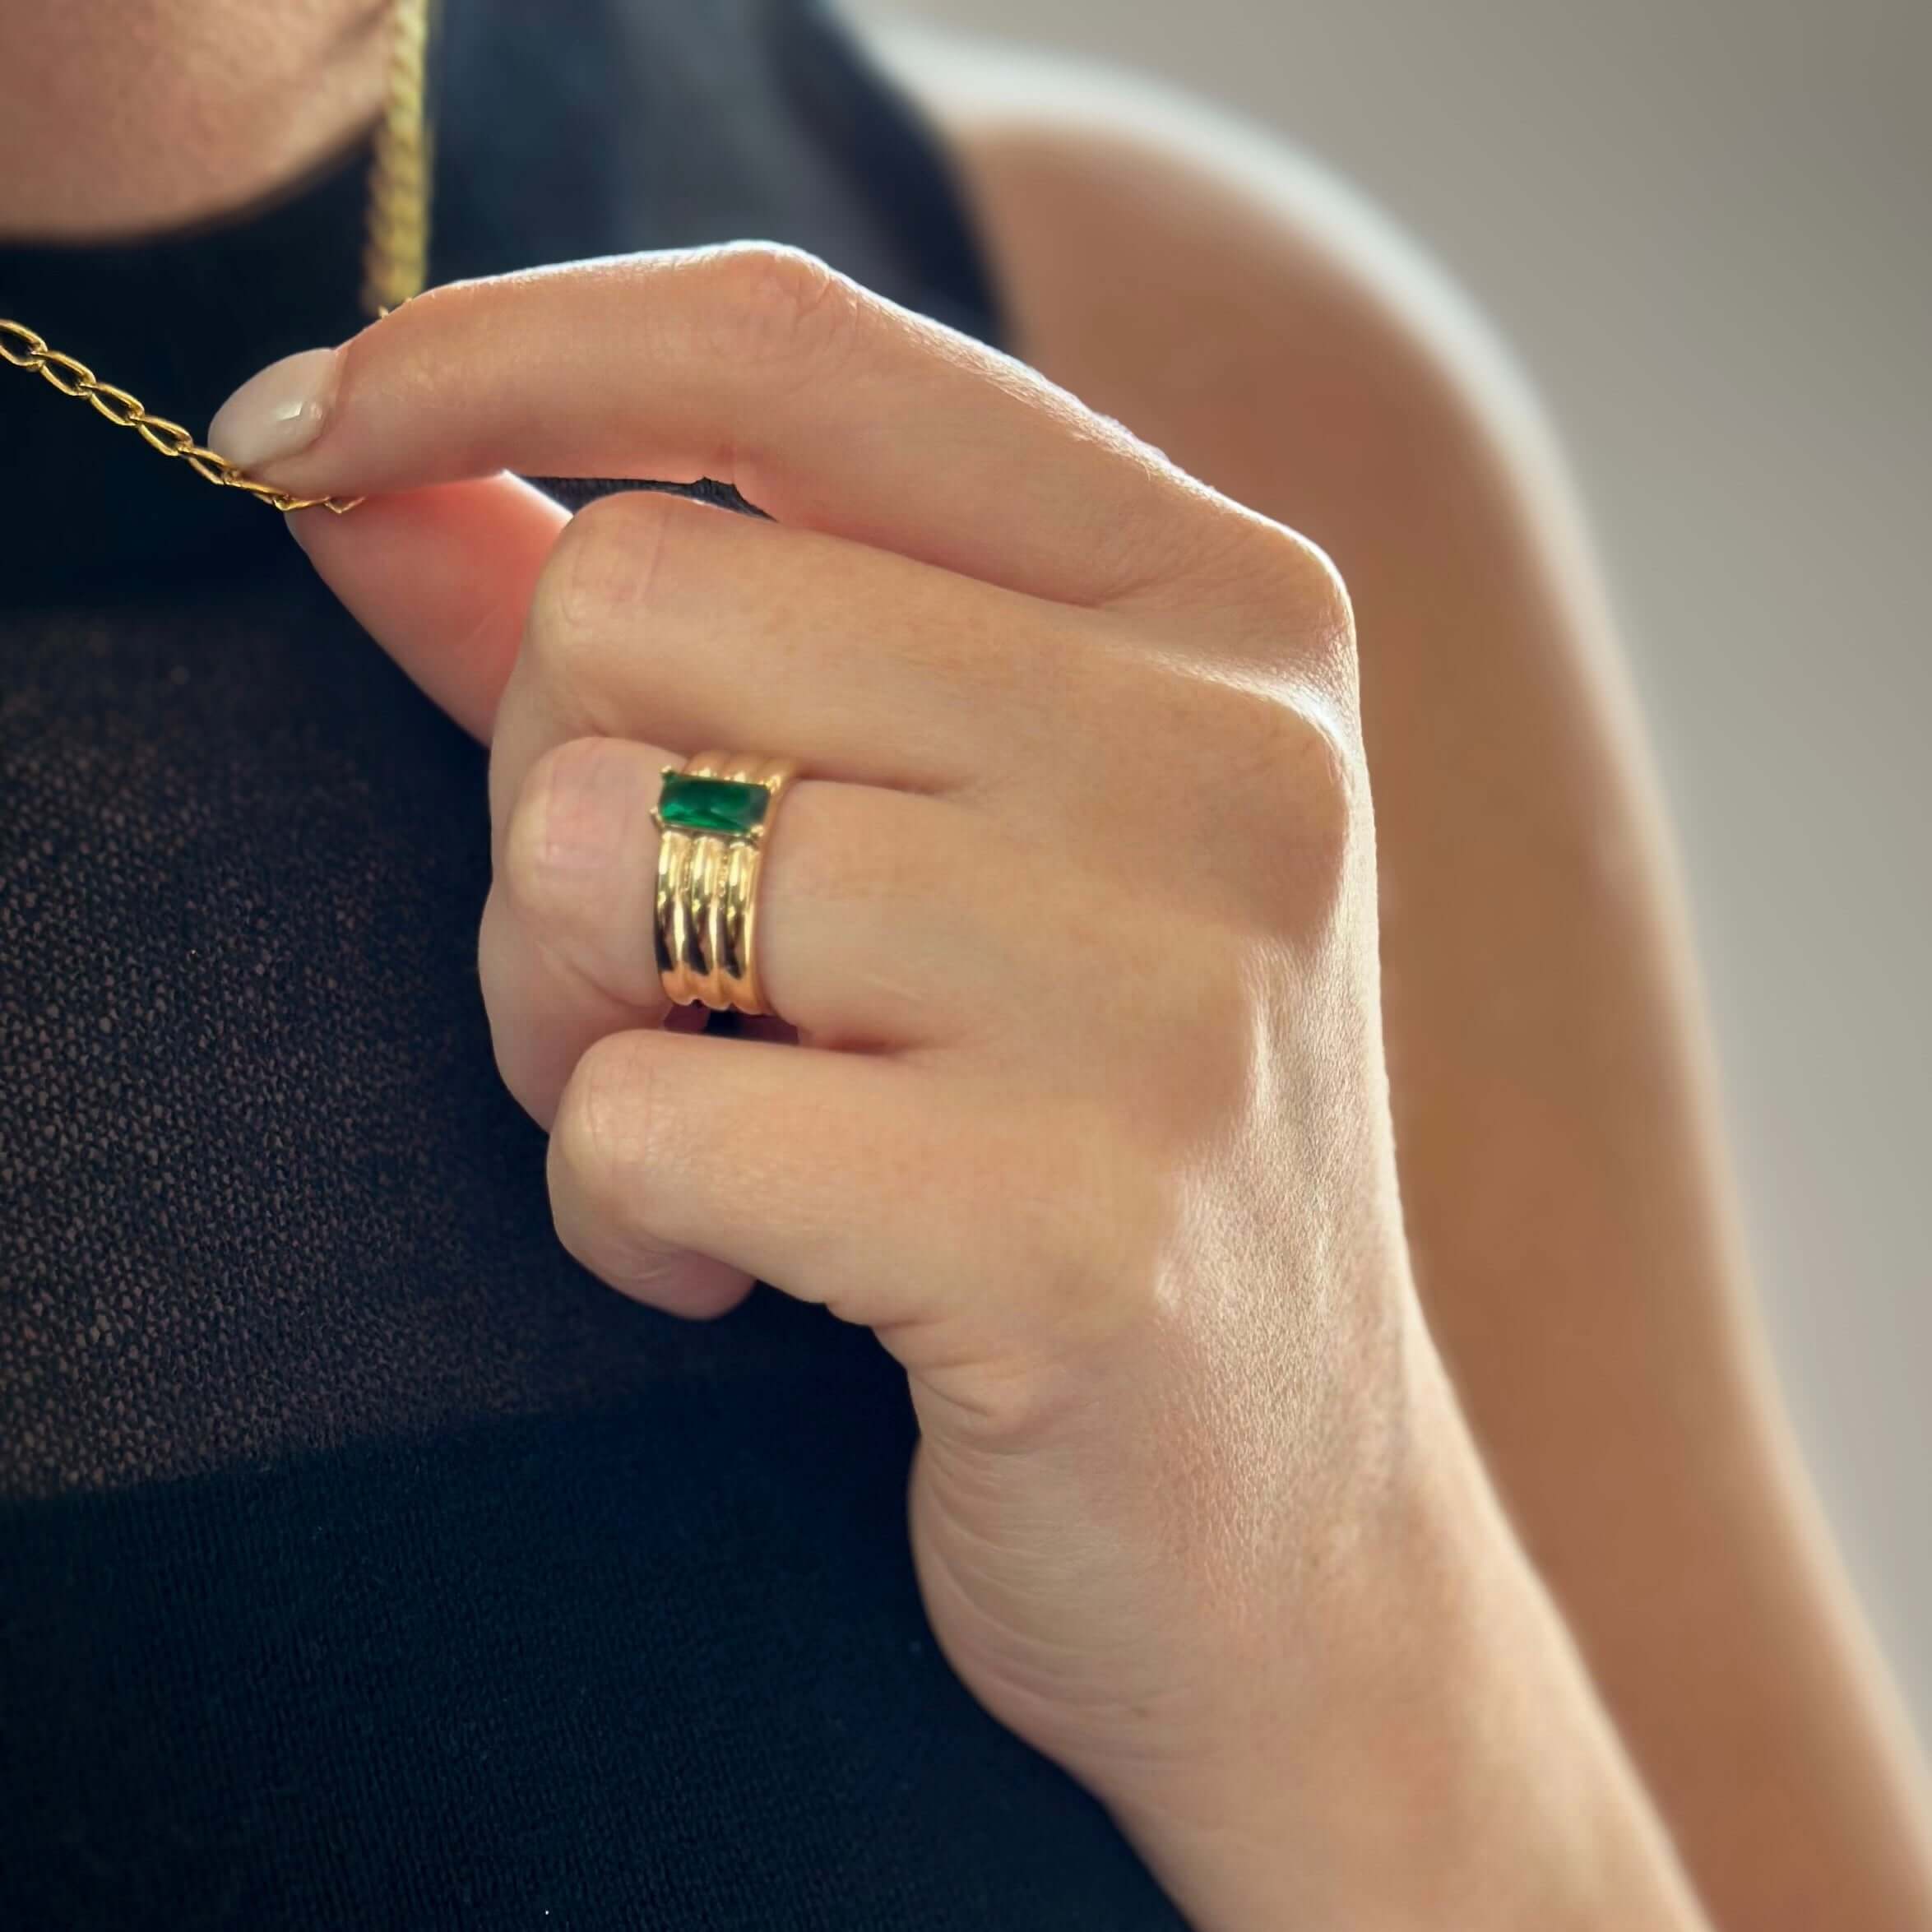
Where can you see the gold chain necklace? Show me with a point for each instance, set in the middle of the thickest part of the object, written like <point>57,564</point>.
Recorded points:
<point>394,263</point>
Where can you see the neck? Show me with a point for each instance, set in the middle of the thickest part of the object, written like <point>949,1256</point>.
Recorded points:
<point>119,117</point>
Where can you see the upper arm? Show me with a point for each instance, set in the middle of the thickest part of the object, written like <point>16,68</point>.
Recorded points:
<point>1233,300</point>
<point>1567,1197</point>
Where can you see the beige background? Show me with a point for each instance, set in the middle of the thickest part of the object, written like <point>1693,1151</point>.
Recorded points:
<point>1707,228</point>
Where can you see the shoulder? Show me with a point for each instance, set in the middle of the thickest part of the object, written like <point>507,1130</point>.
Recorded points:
<point>1224,294</point>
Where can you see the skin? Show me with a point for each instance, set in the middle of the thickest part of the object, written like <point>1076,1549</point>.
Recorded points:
<point>1568,1206</point>
<point>1195,1510</point>
<point>122,116</point>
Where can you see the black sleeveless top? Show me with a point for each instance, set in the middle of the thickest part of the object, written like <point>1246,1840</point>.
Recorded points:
<point>363,1562</point>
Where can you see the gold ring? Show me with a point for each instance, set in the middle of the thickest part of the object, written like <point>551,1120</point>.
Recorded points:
<point>712,817</point>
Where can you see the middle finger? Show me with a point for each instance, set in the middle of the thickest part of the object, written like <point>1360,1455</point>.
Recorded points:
<point>681,623</point>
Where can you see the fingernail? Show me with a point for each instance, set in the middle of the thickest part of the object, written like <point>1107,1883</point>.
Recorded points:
<point>278,412</point>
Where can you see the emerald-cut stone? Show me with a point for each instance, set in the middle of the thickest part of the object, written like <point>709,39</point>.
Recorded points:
<point>711,804</point>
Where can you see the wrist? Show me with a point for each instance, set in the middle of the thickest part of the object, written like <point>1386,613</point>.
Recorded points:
<point>1432,1753</point>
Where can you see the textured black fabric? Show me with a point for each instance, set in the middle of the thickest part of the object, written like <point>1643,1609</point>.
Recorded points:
<point>362,1561</point>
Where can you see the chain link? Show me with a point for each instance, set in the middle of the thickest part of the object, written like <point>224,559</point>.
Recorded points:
<point>396,257</point>
<point>395,266</point>
<point>25,351</point>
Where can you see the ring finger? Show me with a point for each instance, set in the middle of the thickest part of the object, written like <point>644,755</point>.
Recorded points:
<point>879,920</point>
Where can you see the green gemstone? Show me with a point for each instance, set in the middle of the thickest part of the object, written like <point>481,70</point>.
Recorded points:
<point>712,804</point>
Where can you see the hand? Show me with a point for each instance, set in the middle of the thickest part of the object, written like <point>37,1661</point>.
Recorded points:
<point>1074,915</point>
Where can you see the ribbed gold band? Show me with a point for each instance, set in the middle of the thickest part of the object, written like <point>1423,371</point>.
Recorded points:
<point>709,849</point>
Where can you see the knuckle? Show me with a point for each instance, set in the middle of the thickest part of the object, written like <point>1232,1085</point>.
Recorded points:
<point>775,304</point>
<point>1091,1210</point>
<point>1299,572</point>
<point>1326,608</point>
<point>497,959</point>
<point>1296,603</point>
<point>1309,763</point>
<point>601,1143</point>
<point>1287,747</point>
<point>600,567</point>
<point>1318,757</point>
<point>1285,799</point>
<point>1210,1047</point>
<point>1096,1277</point>
<point>568,826</point>
<point>1330,782</point>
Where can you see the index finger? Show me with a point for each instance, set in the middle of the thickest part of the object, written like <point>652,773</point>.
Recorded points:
<point>826,405</point>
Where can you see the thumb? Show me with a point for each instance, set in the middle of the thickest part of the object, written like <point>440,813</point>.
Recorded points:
<point>441,579</point>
